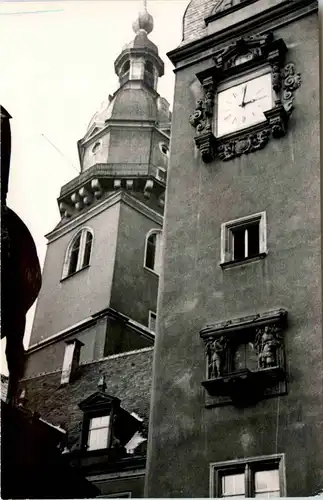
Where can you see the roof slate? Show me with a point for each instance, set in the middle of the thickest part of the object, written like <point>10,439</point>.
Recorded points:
<point>127,377</point>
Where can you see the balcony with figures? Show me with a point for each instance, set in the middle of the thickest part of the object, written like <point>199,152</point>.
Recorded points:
<point>245,359</point>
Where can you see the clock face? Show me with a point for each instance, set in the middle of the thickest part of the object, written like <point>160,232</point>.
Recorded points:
<point>243,105</point>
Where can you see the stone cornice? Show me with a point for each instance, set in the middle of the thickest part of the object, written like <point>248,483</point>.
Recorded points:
<point>101,170</point>
<point>86,323</point>
<point>100,207</point>
<point>277,316</point>
<point>272,18</point>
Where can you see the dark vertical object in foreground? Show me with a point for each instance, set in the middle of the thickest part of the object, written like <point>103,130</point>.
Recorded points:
<point>21,274</point>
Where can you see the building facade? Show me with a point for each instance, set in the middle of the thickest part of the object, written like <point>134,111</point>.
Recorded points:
<point>88,367</point>
<point>237,385</point>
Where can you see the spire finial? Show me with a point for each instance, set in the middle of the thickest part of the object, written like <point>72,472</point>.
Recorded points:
<point>144,21</point>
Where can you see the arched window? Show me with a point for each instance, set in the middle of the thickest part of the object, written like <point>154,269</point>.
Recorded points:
<point>125,68</point>
<point>78,253</point>
<point>153,251</point>
<point>149,67</point>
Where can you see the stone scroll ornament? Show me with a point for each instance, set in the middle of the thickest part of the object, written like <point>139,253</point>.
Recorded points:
<point>201,120</point>
<point>291,82</point>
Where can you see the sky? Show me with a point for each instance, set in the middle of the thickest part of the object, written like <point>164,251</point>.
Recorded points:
<point>57,66</point>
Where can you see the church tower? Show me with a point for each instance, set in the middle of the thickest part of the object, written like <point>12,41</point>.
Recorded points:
<point>237,386</point>
<point>88,367</point>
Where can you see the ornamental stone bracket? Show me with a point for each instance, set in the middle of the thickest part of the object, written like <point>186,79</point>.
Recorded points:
<point>291,82</point>
<point>202,120</point>
<point>244,54</point>
<point>263,374</point>
<point>94,190</point>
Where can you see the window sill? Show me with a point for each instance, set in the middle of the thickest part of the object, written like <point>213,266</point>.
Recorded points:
<point>151,271</point>
<point>73,274</point>
<point>247,260</point>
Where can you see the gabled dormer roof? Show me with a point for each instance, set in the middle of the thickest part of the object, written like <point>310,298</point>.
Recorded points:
<point>99,401</point>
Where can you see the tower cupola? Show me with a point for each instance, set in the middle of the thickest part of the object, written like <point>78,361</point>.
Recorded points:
<point>139,59</point>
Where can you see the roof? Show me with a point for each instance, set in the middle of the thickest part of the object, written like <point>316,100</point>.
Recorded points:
<point>127,377</point>
<point>131,102</point>
<point>193,20</point>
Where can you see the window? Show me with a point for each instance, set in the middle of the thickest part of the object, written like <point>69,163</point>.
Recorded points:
<point>78,253</point>
<point>153,251</point>
<point>149,67</point>
<point>164,148</point>
<point>96,147</point>
<point>98,437</point>
<point>152,321</point>
<point>243,239</point>
<point>106,426</point>
<point>253,477</point>
<point>161,174</point>
<point>125,67</point>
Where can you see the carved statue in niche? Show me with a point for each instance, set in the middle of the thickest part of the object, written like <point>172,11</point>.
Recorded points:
<point>215,352</point>
<point>267,342</point>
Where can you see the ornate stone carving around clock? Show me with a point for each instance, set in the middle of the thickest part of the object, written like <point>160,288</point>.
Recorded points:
<point>248,98</point>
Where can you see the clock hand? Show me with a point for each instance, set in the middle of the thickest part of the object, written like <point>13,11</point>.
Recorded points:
<point>244,95</point>
<point>254,100</point>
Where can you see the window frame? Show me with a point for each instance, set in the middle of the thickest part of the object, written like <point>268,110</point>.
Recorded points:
<point>249,466</point>
<point>81,252</point>
<point>227,238</point>
<point>88,416</point>
<point>158,251</point>
<point>159,176</point>
<point>161,145</point>
<point>151,314</point>
<point>89,430</point>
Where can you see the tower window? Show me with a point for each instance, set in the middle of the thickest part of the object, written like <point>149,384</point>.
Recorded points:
<point>99,432</point>
<point>96,147</point>
<point>152,321</point>
<point>78,253</point>
<point>164,148</point>
<point>149,67</point>
<point>243,239</point>
<point>153,251</point>
<point>125,67</point>
<point>161,174</point>
<point>254,477</point>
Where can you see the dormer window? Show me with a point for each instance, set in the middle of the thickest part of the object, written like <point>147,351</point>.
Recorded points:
<point>106,425</point>
<point>99,433</point>
<point>78,253</point>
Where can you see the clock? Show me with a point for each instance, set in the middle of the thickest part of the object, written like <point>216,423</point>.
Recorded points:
<point>243,104</point>
<point>248,96</point>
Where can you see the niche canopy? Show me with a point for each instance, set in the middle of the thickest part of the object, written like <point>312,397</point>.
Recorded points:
<point>248,98</point>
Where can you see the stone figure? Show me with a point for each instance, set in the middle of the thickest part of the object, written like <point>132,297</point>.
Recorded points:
<point>215,350</point>
<point>267,344</point>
